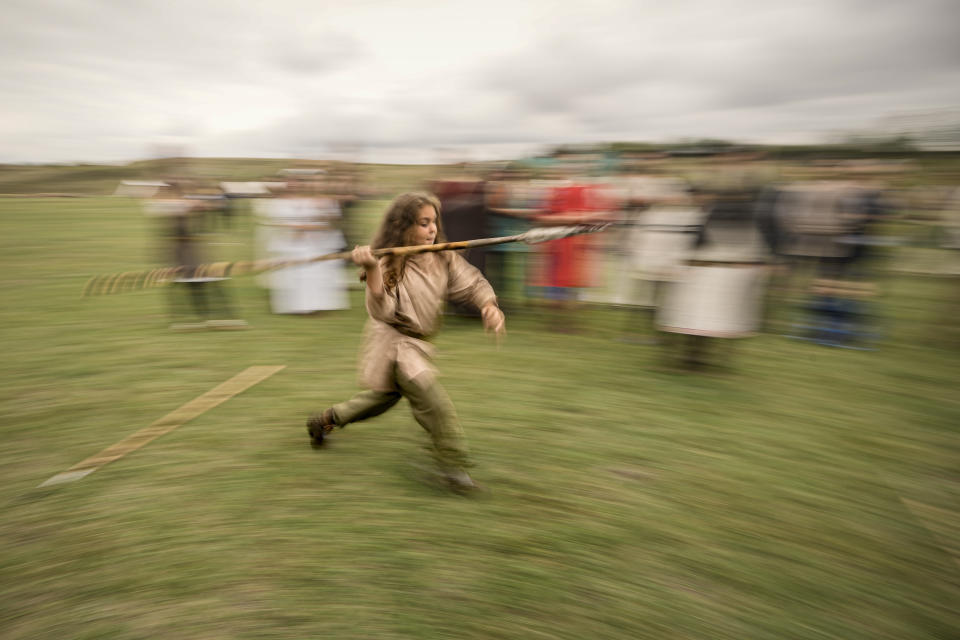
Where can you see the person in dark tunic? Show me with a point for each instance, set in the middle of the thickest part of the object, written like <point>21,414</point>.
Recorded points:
<point>464,218</point>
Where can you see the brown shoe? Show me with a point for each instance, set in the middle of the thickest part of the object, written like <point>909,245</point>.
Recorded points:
<point>319,425</point>
<point>460,481</point>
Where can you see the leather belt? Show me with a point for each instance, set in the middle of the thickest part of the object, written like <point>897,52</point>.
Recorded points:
<point>408,332</point>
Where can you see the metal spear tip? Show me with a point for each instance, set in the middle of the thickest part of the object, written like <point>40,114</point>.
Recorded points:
<point>546,234</point>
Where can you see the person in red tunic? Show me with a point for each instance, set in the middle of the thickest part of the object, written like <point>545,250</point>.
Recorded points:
<point>565,265</point>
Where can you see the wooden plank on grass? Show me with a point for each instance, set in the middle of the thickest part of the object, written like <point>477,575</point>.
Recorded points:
<point>216,396</point>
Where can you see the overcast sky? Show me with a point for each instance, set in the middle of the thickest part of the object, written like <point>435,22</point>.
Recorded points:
<point>107,81</point>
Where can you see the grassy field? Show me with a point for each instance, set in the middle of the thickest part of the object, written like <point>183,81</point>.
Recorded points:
<point>805,492</point>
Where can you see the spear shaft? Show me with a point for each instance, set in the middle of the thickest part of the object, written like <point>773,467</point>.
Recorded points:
<point>136,280</point>
<point>419,248</point>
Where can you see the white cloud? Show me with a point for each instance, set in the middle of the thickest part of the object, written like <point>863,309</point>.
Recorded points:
<point>106,81</point>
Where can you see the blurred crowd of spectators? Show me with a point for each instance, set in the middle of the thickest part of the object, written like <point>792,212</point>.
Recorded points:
<point>716,247</point>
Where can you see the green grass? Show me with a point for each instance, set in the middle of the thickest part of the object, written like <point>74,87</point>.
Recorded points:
<point>803,492</point>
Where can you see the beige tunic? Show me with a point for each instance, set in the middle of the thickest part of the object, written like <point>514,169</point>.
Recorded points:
<point>413,308</point>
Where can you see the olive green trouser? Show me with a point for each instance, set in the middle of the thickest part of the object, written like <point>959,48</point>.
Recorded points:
<point>431,407</point>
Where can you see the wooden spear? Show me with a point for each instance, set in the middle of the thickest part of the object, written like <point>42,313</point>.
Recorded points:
<point>138,280</point>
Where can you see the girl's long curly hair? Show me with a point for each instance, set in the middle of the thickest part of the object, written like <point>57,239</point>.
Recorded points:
<point>395,229</point>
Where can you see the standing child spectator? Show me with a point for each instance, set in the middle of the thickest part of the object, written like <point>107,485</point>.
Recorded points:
<point>207,296</point>
<point>404,298</point>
